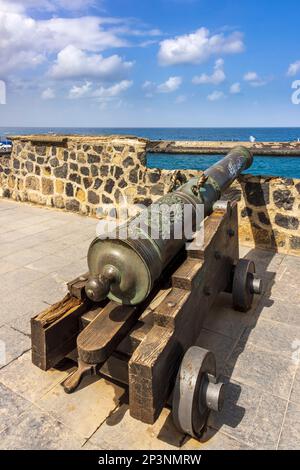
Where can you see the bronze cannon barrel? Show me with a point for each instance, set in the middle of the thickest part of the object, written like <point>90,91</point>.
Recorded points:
<point>123,266</point>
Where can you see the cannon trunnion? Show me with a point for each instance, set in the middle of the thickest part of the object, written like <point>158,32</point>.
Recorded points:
<point>152,345</point>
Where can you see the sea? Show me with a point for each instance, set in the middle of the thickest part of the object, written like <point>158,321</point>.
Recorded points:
<point>288,167</point>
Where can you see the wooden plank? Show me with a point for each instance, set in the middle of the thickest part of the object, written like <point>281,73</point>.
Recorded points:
<point>99,339</point>
<point>54,331</point>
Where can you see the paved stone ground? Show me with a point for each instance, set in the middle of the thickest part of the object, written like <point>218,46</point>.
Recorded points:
<point>41,249</point>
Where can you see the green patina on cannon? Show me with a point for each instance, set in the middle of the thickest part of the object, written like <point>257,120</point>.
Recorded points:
<point>137,315</point>
<point>125,270</point>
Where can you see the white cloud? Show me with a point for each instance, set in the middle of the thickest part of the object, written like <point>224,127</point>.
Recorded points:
<point>72,62</point>
<point>218,76</point>
<point>48,94</point>
<point>216,96</point>
<point>198,46</point>
<point>235,88</point>
<point>80,91</point>
<point>106,93</point>
<point>170,85</point>
<point>148,85</point>
<point>294,69</point>
<point>254,79</point>
<point>26,41</point>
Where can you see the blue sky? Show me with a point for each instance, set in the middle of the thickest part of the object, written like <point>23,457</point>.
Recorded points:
<point>171,63</point>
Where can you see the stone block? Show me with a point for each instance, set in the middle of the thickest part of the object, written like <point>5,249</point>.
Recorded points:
<point>87,408</point>
<point>12,345</point>
<point>290,434</point>
<point>36,430</point>
<point>121,431</point>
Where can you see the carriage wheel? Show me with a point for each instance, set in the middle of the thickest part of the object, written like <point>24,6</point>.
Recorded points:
<point>196,391</point>
<point>245,285</point>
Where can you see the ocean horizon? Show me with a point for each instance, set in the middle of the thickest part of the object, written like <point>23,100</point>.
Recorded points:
<point>267,166</point>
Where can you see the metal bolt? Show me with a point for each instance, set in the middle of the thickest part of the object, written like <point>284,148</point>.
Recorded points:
<point>231,232</point>
<point>215,396</point>
<point>256,285</point>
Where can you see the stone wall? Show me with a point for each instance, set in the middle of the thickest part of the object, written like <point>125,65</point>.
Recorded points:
<point>81,173</point>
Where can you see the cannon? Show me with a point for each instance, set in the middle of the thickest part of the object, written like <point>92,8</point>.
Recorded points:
<point>137,314</point>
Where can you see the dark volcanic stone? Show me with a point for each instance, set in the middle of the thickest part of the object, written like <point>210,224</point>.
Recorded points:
<point>61,171</point>
<point>128,162</point>
<point>37,170</point>
<point>283,199</point>
<point>141,190</point>
<point>295,243</point>
<point>97,148</point>
<point>6,193</point>
<point>118,172</point>
<point>73,166</point>
<point>122,183</point>
<point>286,221</point>
<point>109,185</point>
<point>41,150</point>
<point>257,194</point>
<point>263,218</point>
<point>119,148</point>
<point>86,147</point>
<point>73,205</point>
<point>104,170</point>
<point>29,166</point>
<point>40,160</point>
<point>106,200</point>
<point>84,170</point>
<point>87,182</point>
<point>246,212</point>
<point>93,158</point>
<point>133,176</point>
<point>154,177</point>
<point>53,151</point>
<point>93,198</point>
<point>66,155</point>
<point>31,157</point>
<point>16,164</point>
<point>69,190</point>
<point>158,189</point>
<point>94,170</point>
<point>97,183</point>
<point>298,187</point>
<point>54,162</point>
<point>72,155</point>
<point>75,177</point>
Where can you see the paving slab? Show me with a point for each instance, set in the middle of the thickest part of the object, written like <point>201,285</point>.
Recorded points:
<point>29,381</point>
<point>250,416</point>
<point>87,408</point>
<point>261,369</point>
<point>121,431</point>
<point>37,430</point>
<point>290,435</point>
<point>274,336</point>
<point>222,346</point>
<point>12,345</point>
<point>11,406</point>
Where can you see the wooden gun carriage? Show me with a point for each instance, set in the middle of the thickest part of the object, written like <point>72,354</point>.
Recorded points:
<point>151,346</point>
